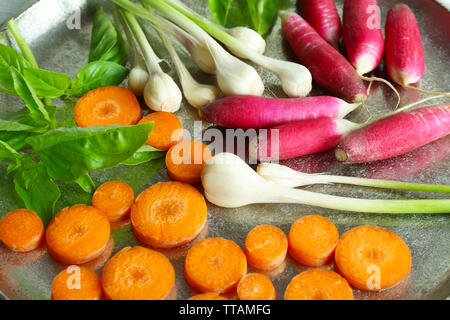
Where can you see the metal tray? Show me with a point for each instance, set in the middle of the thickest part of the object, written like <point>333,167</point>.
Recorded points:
<point>57,48</point>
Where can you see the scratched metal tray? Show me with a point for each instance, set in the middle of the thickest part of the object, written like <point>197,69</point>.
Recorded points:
<point>58,48</point>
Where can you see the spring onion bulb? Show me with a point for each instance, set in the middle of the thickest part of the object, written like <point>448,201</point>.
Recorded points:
<point>296,80</point>
<point>138,77</point>
<point>246,36</point>
<point>233,75</point>
<point>229,182</point>
<point>196,94</point>
<point>290,178</point>
<point>161,93</point>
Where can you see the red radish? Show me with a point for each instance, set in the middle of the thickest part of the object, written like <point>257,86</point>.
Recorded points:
<point>408,163</point>
<point>259,112</point>
<point>405,61</point>
<point>395,135</point>
<point>363,38</point>
<point>324,18</point>
<point>327,66</point>
<point>298,138</point>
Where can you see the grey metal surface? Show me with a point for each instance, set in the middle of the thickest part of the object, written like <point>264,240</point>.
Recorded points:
<point>29,276</point>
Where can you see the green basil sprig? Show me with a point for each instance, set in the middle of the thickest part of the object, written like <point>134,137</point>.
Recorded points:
<point>41,148</point>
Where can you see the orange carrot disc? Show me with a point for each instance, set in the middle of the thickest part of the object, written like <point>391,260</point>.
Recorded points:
<point>77,283</point>
<point>138,274</point>
<point>77,234</point>
<point>107,105</point>
<point>185,160</point>
<point>372,258</point>
<point>255,286</point>
<point>207,296</point>
<point>168,214</point>
<point>21,230</point>
<point>167,130</point>
<point>214,265</point>
<point>312,240</point>
<point>114,199</point>
<point>266,247</point>
<point>318,284</point>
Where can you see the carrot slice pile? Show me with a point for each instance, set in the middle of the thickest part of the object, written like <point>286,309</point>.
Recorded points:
<point>185,160</point>
<point>21,230</point>
<point>312,240</point>
<point>138,274</point>
<point>318,284</point>
<point>214,265</point>
<point>266,247</point>
<point>372,258</point>
<point>255,286</point>
<point>114,199</point>
<point>77,283</point>
<point>77,234</point>
<point>168,214</point>
<point>107,105</point>
<point>207,296</point>
<point>167,130</point>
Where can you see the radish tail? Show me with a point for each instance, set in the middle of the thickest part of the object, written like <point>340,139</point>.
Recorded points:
<point>446,94</point>
<point>372,78</point>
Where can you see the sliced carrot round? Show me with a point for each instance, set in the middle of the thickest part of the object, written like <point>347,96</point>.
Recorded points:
<point>318,284</point>
<point>107,105</point>
<point>185,160</point>
<point>312,240</point>
<point>138,274</point>
<point>214,265</point>
<point>114,199</point>
<point>77,234</point>
<point>76,283</point>
<point>266,247</point>
<point>21,230</point>
<point>207,296</point>
<point>168,214</point>
<point>372,258</point>
<point>255,286</point>
<point>167,130</point>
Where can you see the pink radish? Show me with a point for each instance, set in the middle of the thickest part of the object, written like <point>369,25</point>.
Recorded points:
<point>404,52</point>
<point>363,38</point>
<point>405,61</point>
<point>298,138</point>
<point>408,163</point>
<point>324,18</point>
<point>258,112</point>
<point>327,66</point>
<point>395,135</point>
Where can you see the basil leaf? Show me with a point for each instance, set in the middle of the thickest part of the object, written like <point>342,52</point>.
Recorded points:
<point>262,14</point>
<point>6,125</point>
<point>15,139</point>
<point>106,40</point>
<point>7,153</point>
<point>97,74</point>
<point>10,58</point>
<point>86,183</point>
<point>21,86</point>
<point>219,10</point>
<point>118,52</point>
<point>69,153</point>
<point>47,84</point>
<point>36,188</point>
<point>144,154</point>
